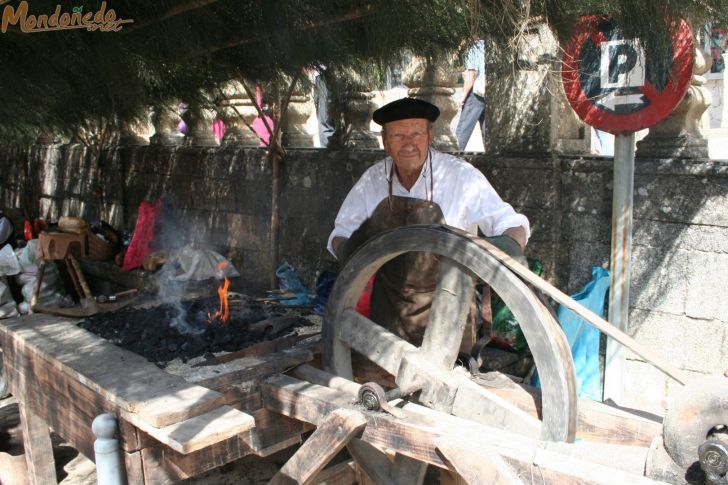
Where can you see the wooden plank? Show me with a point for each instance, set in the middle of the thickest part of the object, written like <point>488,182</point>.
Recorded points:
<point>372,462</point>
<point>416,435</point>
<point>343,473</point>
<point>477,466</point>
<point>272,434</point>
<point>133,468</point>
<point>448,315</point>
<point>246,369</point>
<point>197,432</point>
<point>407,470</point>
<point>329,438</point>
<point>38,447</point>
<point>596,422</point>
<point>373,341</point>
<point>323,378</point>
<point>66,404</point>
<point>123,378</point>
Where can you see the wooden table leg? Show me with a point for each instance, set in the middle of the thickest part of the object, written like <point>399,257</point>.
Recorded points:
<point>87,299</point>
<point>36,286</point>
<point>38,447</point>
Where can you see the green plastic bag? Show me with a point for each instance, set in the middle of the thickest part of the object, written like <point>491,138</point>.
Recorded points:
<point>507,333</point>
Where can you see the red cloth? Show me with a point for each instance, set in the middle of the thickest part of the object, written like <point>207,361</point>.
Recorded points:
<point>143,234</point>
<point>364,305</point>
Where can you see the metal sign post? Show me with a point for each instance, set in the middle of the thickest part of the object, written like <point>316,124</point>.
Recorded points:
<point>618,310</point>
<point>612,87</point>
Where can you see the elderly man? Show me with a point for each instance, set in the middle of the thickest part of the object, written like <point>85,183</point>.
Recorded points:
<point>418,185</point>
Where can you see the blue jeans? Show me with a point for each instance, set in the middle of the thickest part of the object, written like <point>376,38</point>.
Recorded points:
<point>473,112</point>
<point>322,99</point>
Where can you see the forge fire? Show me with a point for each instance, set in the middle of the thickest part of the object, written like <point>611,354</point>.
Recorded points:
<point>189,329</point>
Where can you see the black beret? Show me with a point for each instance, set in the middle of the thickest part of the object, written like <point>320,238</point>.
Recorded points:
<point>406,108</point>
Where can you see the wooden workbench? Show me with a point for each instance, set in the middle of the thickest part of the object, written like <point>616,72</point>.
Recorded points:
<point>169,428</point>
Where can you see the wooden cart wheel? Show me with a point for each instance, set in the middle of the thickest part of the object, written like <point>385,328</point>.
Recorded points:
<point>429,368</point>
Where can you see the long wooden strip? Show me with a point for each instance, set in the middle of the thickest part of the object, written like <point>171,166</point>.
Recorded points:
<point>328,439</point>
<point>588,315</point>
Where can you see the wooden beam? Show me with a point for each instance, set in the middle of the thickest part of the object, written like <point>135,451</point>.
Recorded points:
<point>123,378</point>
<point>596,422</point>
<point>373,341</point>
<point>448,315</point>
<point>416,435</point>
<point>330,437</point>
<point>199,431</point>
<point>341,474</point>
<point>475,466</point>
<point>38,447</point>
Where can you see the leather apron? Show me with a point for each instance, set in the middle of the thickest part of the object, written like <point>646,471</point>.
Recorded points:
<point>403,287</point>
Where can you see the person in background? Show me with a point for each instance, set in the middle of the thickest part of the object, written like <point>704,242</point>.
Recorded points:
<point>473,103</point>
<point>322,101</point>
<point>418,185</point>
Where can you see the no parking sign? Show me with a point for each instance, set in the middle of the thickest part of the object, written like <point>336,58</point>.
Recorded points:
<point>609,82</point>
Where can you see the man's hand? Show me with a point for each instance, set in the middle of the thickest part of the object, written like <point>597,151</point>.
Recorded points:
<point>338,245</point>
<point>468,81</point>
<point>512,242</point>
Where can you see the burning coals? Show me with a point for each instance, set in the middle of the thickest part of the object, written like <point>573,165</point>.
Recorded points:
<point>188,330</point>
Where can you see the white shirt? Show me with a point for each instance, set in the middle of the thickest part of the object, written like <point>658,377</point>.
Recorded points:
<point>466,198</point>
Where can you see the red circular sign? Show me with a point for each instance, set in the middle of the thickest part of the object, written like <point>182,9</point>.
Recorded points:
<point>613,87</point>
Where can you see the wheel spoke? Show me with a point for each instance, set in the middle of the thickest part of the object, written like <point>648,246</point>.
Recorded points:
<point>448,315</point>
<point>411,365</point>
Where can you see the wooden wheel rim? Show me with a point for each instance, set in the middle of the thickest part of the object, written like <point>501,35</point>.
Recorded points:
<point>546,340</point>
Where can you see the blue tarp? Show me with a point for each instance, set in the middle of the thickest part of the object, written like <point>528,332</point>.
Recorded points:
<point>583,338</point>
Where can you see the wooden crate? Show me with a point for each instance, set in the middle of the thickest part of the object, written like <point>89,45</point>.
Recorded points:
<point>85,245</point>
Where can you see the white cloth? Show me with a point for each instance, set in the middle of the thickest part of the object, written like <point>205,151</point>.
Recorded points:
<point>466,198</point>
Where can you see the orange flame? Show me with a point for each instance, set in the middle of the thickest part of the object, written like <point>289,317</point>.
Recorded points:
<point>223,313</point>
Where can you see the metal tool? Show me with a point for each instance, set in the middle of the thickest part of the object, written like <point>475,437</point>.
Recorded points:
<point>373,397</point>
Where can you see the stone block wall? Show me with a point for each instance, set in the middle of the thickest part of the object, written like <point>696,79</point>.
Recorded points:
<point>222,200</point>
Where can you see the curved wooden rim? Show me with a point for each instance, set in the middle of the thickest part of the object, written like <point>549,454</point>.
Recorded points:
<point>546,340</point>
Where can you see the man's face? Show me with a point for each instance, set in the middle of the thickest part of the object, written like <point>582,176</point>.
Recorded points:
<point>407,141</point>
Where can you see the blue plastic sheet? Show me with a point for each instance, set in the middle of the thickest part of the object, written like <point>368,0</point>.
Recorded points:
<point>289,280</point>
<point>583,338</point>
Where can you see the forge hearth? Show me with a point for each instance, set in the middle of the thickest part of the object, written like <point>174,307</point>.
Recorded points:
<point>188,330</point>
<point>173,423</point>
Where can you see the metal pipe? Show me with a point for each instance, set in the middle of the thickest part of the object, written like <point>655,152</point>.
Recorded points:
<point>622,197</point>
<point>109,470</point>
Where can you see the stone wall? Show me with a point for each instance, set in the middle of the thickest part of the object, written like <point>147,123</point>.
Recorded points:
<point>222,200</point>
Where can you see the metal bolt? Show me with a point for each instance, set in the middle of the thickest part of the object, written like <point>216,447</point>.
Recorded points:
<point>370,400</point>
<point>712,458</point>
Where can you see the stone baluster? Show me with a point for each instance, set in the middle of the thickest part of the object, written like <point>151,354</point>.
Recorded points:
<point>434,81</point>
<point>135,133</point>
<point>679,135</point>
<point>199,126</point>
<point>46,137</point>
<point>294,132</point>
<point>724,92</point>
<point>238,112</point>
<point>352,99</point>
<point>165,120</point>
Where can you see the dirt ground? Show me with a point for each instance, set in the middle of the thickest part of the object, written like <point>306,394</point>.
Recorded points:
<point>72,468</point>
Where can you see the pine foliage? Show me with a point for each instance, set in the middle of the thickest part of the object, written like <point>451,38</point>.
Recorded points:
<point>175,50</point>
